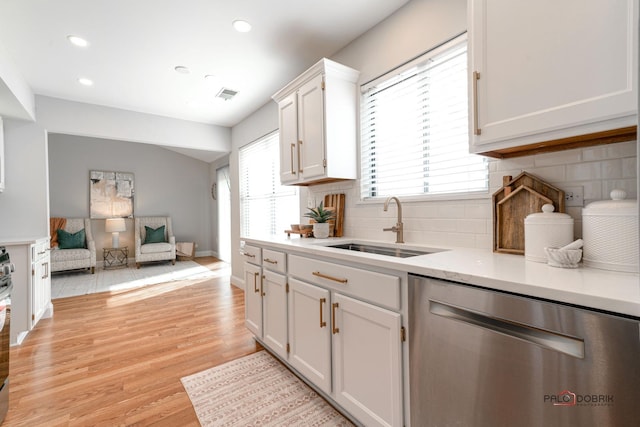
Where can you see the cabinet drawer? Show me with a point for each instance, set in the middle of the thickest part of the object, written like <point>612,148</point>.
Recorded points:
<point>273,260</point>
<point>378,288</point>
<point>39,249</point>
<point>252,254</point>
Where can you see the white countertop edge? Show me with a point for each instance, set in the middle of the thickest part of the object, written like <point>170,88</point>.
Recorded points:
<point>21,241</point>
<point>611,291</point>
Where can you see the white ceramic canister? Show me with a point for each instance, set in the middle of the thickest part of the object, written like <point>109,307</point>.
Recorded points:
<point>546,229</point>
<point>610,233</point>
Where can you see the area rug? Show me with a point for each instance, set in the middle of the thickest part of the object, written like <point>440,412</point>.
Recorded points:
<point>257,390</point>
<point>68,284</point>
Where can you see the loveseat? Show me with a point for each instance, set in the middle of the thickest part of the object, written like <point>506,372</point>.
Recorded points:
<point>74,247</point>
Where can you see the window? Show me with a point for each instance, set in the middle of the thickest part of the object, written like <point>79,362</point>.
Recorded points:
<point>414,131</point>
<point>266,207</point>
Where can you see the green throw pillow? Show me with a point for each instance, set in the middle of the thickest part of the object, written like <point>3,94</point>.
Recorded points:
<point>68,240</point>
<point>154,236</point>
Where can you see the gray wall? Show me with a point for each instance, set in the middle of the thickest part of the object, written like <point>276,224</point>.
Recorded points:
<point>166,183</point>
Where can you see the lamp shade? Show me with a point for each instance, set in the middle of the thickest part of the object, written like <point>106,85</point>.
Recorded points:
<point>115,225</point>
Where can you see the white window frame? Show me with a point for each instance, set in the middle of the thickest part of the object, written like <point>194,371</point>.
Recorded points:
<point>398,73</point>
<point>272,218</point>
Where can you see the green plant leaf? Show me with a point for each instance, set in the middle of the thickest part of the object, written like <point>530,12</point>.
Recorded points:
<point>320,214</point>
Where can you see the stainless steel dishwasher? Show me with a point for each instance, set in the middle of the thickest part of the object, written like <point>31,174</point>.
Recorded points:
<point>479,358</point>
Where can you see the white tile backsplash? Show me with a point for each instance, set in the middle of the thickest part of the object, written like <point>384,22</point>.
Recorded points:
<point>469,223</point>
<point>584,171</point>
<point>612,169</point>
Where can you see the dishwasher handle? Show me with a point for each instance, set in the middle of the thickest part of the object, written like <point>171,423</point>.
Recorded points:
<point>566,344</point>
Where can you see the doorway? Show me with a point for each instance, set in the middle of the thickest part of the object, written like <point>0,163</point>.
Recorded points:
<point>223,195</point>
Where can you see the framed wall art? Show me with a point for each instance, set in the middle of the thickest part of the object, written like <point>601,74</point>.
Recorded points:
<point>111,194</point>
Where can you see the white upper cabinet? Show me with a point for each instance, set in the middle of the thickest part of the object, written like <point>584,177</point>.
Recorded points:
<point>551,70</point>
<point>317,118</point>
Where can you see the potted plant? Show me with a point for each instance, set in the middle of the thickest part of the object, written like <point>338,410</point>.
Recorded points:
<point>321,216</point>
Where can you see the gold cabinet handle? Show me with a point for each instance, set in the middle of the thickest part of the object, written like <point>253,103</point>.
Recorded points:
<point>324,276</point>
<point>476,129</point>
<point>255,282</point>
<point>334,306</point>
<point>293,146</point>
<point>248,255</point>
<point>299,164</point>
<point>270,261</point>
<point>322,322</point>
<point>261,284</point>
<point>46,269</point>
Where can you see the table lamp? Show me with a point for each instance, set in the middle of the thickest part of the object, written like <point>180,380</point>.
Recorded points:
<point>115,226</point>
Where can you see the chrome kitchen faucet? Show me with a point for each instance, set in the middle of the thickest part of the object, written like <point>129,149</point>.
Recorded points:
<point>398,228</point>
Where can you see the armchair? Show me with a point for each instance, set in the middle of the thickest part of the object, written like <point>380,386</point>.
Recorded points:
<point>76,258</point>
<point>157,247</point>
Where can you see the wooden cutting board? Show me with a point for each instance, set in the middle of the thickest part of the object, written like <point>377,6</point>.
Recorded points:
<point>518,198</point>
<point>336,201</point>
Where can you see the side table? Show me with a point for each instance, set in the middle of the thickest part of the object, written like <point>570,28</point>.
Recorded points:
<point>115,257</point>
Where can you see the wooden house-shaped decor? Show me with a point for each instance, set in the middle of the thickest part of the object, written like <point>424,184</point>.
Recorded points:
<point>519,197</point>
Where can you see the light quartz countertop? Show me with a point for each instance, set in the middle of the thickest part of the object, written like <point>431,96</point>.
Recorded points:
<point>611,291</point>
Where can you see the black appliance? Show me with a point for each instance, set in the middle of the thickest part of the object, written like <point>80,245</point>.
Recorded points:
<point>6,268</point>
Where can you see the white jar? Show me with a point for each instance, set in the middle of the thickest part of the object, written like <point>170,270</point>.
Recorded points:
<point>610,233</point>
<point>546,229</point>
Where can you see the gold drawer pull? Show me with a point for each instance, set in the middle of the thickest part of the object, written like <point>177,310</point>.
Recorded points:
<point>322,322</point>
<point>324,276</point>
<point>248,255</point>
<point>476,128</point>
<point>334,306</point>
<point>270,261</point>
<point>255,282</point>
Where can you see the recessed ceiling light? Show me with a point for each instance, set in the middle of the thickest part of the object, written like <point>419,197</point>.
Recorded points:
<point>85,81</point>
<point>241,26</point>
<point>77,41</point>
<point>182,69</point>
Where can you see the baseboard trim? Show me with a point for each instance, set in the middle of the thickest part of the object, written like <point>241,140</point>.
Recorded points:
<point>238,282</point>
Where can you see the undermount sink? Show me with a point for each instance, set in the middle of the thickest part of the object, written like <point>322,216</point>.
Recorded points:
<point>381,250</point>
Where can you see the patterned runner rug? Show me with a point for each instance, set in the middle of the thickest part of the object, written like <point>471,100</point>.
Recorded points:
<point>257,390</point>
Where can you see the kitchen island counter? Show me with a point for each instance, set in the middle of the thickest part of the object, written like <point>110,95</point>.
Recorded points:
<point>610,291</point>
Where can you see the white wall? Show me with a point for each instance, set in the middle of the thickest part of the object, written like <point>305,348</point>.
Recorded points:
<point>213,167</point>
<point>415,28</point>
<point>260,123</point>
<point>24,205</point>
<point>76,118</point>
<point>166,184</point>
<point>16,98</point>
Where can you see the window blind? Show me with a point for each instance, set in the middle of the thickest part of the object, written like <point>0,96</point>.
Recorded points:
<point>414,130</point>
<point>266,207</point>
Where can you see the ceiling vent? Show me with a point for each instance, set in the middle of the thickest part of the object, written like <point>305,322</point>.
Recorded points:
<point>226,94</point>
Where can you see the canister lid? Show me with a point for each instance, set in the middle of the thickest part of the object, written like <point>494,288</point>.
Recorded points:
<point>548,216</point>
<point>618,205</point>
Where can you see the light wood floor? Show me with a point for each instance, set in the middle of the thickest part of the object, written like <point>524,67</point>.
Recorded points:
<point>116,359</point>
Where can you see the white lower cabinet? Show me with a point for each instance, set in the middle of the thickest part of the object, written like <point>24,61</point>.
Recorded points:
<point>309,333</point>
<point>253,298</point>
<point>338,326</point>
<point>31,295</point>
<point>274,304</point>
<point>40,292</point>
<point>266,302</point>
<point>367,361</point>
